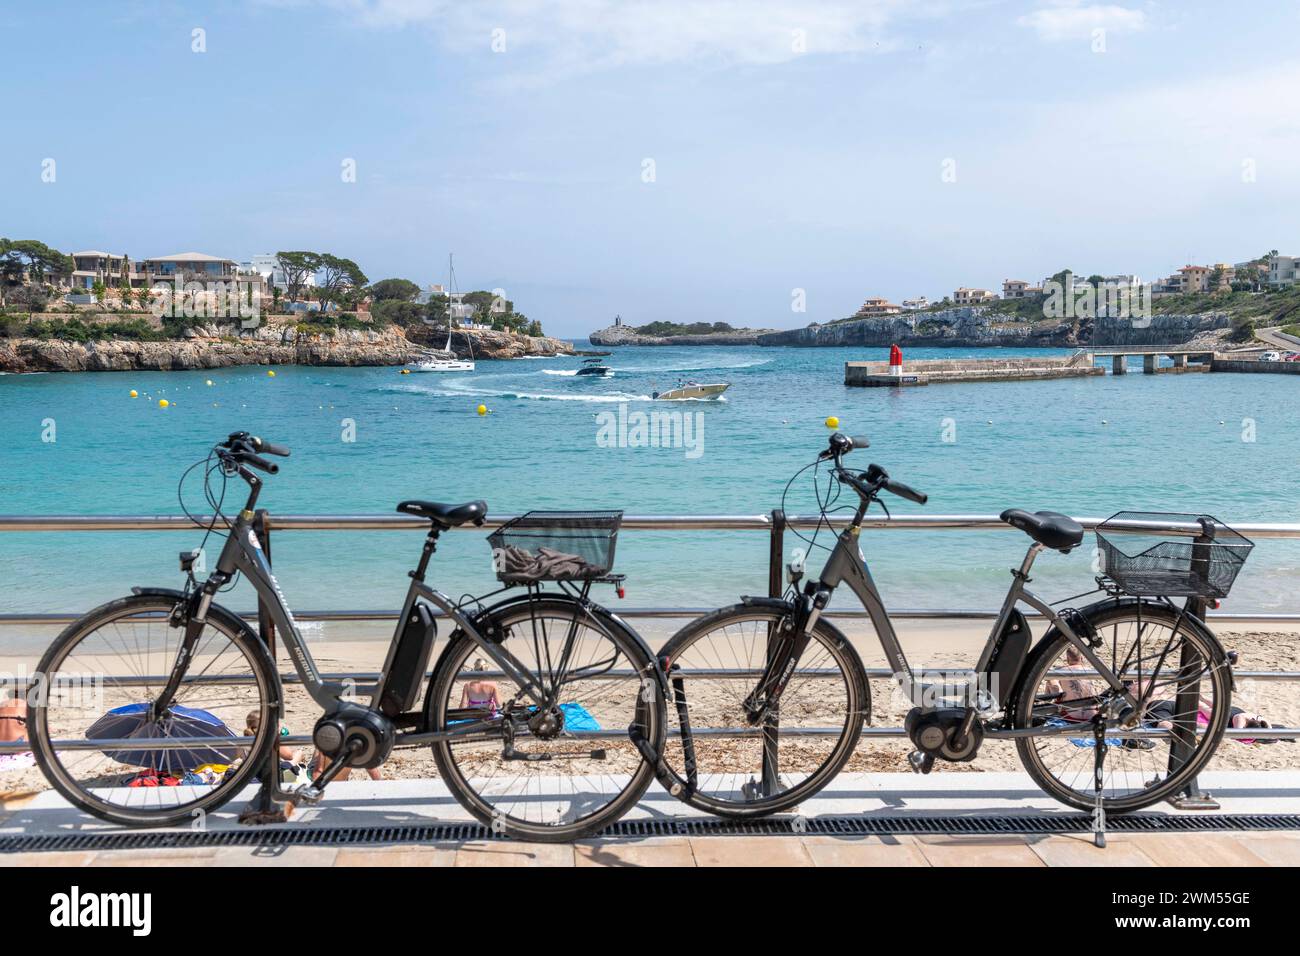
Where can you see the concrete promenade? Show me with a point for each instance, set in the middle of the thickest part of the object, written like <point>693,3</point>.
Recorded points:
<point>398,803</point>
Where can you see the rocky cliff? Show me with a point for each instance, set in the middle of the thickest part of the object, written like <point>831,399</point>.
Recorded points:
<point>486,344</point>
<point>222,346</point>
<point>625,335</point>
<point>975,327</point>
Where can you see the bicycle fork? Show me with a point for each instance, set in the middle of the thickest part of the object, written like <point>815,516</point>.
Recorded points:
<point>785,648</point>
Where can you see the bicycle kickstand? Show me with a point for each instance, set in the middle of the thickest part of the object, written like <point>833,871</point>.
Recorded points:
<point>1098,760</point>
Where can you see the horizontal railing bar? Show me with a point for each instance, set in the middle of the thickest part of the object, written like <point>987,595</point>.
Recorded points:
<point>186,743</point>
<point>366,682</point>
<point>758,522</point>
<point>670,613</point>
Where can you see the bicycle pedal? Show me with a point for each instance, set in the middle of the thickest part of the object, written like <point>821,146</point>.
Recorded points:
<point>920,762</point>
<point>308,794</point>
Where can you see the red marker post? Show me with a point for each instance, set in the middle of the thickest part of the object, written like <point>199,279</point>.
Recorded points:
<point>895,360</point>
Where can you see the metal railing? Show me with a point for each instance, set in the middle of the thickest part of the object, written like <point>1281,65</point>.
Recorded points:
<point>774,523</point>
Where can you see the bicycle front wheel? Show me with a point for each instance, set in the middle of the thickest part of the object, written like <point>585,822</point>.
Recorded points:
<point>747,771</point>
<point>96,733</point>
<point>553,774</point>
<point>1173,671</point>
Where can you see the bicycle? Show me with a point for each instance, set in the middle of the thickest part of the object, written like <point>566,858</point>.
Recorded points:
<point>1119,705</point>
<point>540,711</point>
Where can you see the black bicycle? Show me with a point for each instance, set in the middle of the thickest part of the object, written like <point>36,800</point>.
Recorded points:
<point>541,709</point>
<point>1117,706</point>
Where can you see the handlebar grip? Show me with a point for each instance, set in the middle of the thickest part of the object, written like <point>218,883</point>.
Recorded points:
<point>257,461</point>
<point>903,491</point>
<point>270,448</point>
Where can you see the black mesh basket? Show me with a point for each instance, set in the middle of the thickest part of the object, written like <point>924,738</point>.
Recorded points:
<point>1180,556</point>
<point>555,546</point>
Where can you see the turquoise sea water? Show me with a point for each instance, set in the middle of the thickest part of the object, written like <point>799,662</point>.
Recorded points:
<point>1089,447</point>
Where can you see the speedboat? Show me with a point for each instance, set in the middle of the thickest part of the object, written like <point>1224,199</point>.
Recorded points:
<point>593,366</point>
<point>691,390</point>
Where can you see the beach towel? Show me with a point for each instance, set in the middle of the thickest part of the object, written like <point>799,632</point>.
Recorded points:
<point>17,761</point>
<point>576,718</point>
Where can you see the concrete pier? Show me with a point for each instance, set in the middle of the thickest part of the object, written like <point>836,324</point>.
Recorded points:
<point>1184,359</point>
<point>927,371</point>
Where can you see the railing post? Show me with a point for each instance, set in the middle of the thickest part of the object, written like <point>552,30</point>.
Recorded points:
<point>1188,699</point>
<point>264,808</point>
<point>775,588</point>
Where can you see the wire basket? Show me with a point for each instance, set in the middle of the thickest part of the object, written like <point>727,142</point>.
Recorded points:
<point>1199,556</point>
<point>555,546</point>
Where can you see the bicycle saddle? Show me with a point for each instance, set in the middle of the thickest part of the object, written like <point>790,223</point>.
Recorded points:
<point>448,516</point>
<point>1049,528</point>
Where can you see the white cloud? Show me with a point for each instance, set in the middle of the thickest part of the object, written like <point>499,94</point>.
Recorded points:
<point>580,36</point>
<point>1071,20</point>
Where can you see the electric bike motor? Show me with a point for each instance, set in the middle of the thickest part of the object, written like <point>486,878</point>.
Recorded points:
<point>935,731</point>
<point>373,733</point>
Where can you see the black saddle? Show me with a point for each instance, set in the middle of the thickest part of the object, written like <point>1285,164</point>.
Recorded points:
<point>446,516</point>
<point>1049,528</point>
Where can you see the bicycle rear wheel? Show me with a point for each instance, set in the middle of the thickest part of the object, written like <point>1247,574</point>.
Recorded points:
<point>718,659</point>
<point>554,776</point>
<point>100,679</point>
<point>1149,647</point>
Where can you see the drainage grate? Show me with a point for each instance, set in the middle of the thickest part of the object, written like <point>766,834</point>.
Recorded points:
<point>904,825</point>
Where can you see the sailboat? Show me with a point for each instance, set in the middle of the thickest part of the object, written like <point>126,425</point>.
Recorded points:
<point>432,364</point>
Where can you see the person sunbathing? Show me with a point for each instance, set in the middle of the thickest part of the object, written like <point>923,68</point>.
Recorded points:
<point>13,730</point>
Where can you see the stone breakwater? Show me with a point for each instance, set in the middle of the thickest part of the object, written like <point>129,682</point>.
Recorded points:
<point>976,327</point>
<point>623,335</point>
<point>224,346</point>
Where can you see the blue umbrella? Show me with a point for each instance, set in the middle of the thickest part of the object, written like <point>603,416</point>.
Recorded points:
<point>131,721</point>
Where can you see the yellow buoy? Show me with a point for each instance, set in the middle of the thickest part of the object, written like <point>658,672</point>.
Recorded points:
<point>208,382</point>
<point>832,422</point>
<point>482,409</point>
<point>163,403</point>
<point>270,372</point>
<point>134,393</point>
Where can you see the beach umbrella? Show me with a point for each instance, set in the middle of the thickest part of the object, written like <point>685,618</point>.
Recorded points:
<point>131,721</point>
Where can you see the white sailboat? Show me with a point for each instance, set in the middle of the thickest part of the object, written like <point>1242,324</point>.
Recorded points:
<point>433,364</point>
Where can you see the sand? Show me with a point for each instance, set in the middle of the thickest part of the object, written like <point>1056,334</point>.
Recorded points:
<point>361,648</point>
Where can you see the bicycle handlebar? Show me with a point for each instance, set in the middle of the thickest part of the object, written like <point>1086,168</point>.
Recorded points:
<point>871,481</point>
<point>241,448</point>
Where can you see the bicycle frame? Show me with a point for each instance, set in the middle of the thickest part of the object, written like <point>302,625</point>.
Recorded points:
<point>243,553</point>
<point>848,565</point>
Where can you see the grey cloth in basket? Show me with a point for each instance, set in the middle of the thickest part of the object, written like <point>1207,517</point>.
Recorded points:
<point>546,563</point>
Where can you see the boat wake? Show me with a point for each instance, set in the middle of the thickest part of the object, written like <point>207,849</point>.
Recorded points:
<point>693,368</point>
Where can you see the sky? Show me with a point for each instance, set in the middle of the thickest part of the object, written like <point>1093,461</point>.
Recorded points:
<point>763,163</point>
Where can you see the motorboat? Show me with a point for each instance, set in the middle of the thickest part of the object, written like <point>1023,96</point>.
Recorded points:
<point>691,391</point>
<point>594,366</point>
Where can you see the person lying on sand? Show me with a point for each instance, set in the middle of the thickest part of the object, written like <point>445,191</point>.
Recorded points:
<point>13,729</point>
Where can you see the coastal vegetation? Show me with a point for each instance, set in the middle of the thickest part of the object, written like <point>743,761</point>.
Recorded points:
<point>681,328</point>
